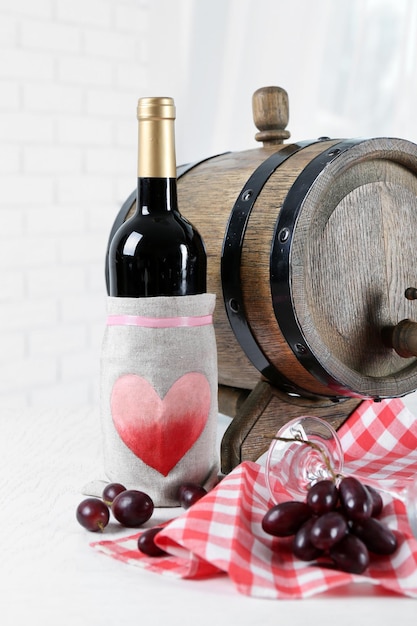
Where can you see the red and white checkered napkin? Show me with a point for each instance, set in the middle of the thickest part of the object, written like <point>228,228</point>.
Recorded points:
<point>222,533</point>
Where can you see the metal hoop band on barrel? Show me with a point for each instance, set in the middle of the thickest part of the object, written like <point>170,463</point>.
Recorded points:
<point>280,261</point>
<point>231,260</point>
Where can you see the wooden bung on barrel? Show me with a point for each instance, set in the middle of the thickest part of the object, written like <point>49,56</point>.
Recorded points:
<point>311,253</point>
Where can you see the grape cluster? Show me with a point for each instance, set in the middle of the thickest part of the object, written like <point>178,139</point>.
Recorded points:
<point>336,523</point>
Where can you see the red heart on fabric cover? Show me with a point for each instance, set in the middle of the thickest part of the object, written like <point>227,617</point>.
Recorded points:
<point>160,431</point>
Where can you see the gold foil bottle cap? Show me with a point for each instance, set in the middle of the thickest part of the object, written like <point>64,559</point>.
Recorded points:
<point>156,153</point>
<point>156,108</point>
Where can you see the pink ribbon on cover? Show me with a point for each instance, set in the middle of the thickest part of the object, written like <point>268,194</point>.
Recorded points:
<point>159,322</point>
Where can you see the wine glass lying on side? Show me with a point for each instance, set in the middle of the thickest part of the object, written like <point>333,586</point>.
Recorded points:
<point>307,450</point>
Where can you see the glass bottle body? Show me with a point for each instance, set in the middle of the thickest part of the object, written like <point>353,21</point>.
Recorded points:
<point>157,252</point>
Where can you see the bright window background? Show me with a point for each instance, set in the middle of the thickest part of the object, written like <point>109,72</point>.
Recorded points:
<point>70,74</point>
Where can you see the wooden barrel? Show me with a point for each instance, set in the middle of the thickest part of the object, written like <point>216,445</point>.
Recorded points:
<point>310,250</point>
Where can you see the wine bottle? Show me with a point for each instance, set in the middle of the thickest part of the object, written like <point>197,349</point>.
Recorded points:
<point>156,252</point>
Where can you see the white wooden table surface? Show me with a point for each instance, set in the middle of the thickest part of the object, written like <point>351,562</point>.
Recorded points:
<point>49,575</point>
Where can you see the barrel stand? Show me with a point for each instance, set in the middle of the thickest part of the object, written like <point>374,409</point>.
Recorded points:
<point>260,413</point>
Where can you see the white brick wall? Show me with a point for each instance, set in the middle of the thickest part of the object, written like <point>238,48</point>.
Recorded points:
<point>70,74</point>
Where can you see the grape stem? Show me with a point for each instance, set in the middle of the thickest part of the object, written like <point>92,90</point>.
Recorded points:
<point>316,447</point>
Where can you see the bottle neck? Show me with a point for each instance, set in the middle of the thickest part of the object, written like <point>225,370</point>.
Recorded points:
<point>156,195</point>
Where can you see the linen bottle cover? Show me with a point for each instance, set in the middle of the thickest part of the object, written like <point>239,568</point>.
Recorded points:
<point>158,394</point>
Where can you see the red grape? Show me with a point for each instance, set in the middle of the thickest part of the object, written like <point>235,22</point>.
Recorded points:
<point>146,542</point>
<point>190,493</point>
<point>355,499</point>
<point>322,497</point>
<point>110,491</point>
<point>377,537</point>
<point>302,547</point>
<point>328,529</point>
<point>132,508</point>
<point>284,519</point>
<point>377,502</point>
<point>93,514</point>
<point>350,555</point>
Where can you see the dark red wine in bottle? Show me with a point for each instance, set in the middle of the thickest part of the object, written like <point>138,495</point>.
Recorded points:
<point>156,252</point>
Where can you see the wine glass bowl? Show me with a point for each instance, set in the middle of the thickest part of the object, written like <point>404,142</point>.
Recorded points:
<point>305,450</point>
